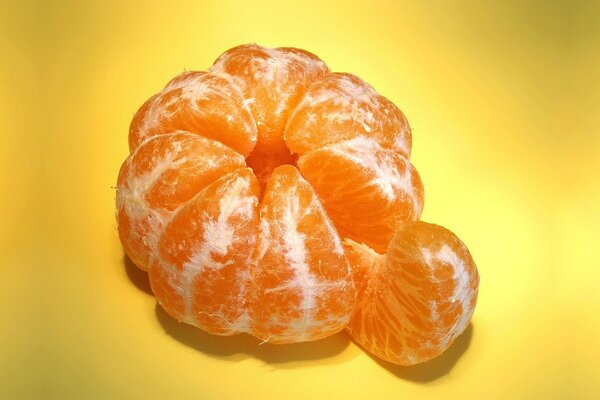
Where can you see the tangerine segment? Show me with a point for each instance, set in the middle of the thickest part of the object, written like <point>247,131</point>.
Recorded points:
<point>415,300</point>
<point>341,106</point>
<point>198,102</point>
<point>273,82</point>
<point>203,266</point>
<point>304,288</point>
<point>159,176</point>
<point>367,190</point>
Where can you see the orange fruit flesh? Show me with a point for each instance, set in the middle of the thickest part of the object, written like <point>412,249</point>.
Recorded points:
<point>163,173</point>
<point>234,250</point>
<point>273,81</point>
<point>304,289</point>
<point>199,102</point>
<point>202,271</point>
<point>417,298</point>
<point>367,189</point>
<point>340,107</point>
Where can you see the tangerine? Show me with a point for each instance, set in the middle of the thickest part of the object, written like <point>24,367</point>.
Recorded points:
<point>261,196</point>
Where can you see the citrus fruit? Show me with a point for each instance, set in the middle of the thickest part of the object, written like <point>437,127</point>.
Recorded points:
<point>272,197</point>
<point>414,300</point>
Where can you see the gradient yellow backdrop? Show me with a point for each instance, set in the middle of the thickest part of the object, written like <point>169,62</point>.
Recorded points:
<point>504,99</point>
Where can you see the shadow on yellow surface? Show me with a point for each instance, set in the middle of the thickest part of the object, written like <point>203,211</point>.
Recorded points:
<point>436,368</point>
<point>238,347</point>
<point>138,277</point>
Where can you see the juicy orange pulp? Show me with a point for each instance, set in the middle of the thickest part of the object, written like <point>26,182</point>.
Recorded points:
<point>249,188</point>
<point>272,82</point>
<point>417,298</point>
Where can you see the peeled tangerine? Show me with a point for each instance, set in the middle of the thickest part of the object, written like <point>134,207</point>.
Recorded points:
<point>271,196</point>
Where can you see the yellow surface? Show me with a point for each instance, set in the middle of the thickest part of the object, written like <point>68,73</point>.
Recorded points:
<point>503,98</point>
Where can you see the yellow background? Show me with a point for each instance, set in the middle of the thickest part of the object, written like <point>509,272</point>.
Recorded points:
<point>503,97</point>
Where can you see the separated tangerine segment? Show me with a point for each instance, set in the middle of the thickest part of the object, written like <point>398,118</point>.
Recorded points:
<point>202,272</point>
<point>340,107</point>
<point>416,299</point>
<point>199,102</point>
<point>159,176</point>
<point>367,190</point>
<point>303,285</point>
<point>272,81</point>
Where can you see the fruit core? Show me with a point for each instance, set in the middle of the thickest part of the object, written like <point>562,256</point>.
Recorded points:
<point>267,156</point>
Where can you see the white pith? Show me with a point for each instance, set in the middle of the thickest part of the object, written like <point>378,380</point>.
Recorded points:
<point>355,102</point>
<point>462,294</point>
<point>193,88</point>
<point>287,239</point>
<point>219,235</point>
